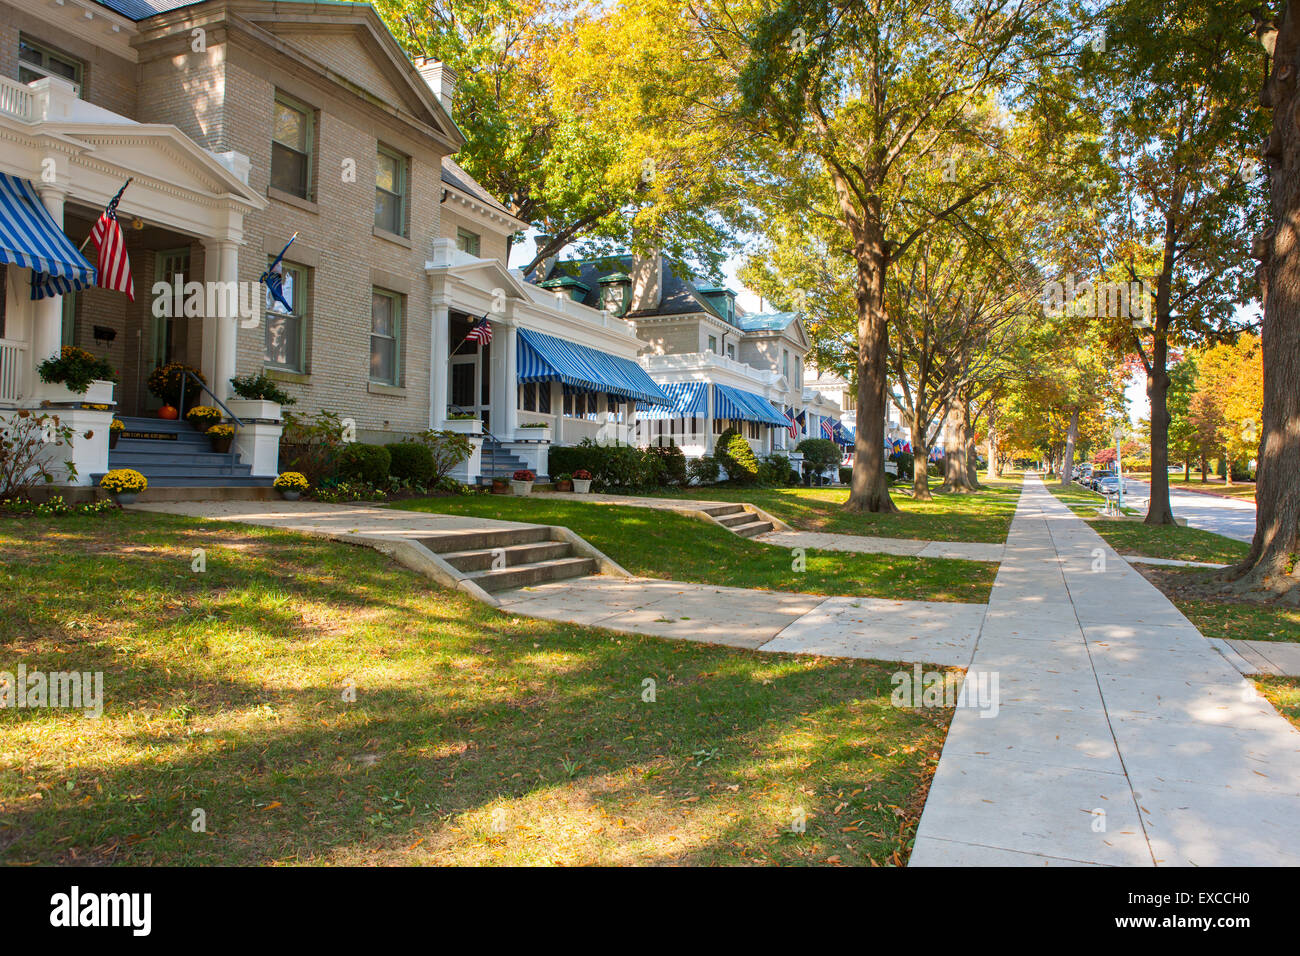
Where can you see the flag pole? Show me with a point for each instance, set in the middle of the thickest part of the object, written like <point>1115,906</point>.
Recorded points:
<point>111,203</point>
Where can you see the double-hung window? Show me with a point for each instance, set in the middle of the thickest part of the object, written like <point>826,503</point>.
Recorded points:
<point>292,139</point>
<point>390,190</point>
<point>286,329</point>
<point>385,337</point>
<point>36,60</point>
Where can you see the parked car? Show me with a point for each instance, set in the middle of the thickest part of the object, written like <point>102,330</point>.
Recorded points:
<point>1095,478</point>
<point>1110,485</point>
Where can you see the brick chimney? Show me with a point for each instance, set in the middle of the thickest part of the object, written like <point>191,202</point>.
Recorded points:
<point>441,79</point>
<point>647,282</point>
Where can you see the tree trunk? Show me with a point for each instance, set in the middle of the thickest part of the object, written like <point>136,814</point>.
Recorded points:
<point>1159,510</point>
<point>995,466</point>
<point>869,489</point>
<point>1277,490</point>
<point>920,464</point>
<point>1227,472</point>
<point>956,470</point>
<point>1187,470</point>
<point>1204,465</point>
<point>972,455</point>
<point>1071,436</point>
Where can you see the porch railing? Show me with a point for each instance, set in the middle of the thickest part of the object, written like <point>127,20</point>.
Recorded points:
<point>11,369</point>
<point>190,376</point>
<point>15,99</point>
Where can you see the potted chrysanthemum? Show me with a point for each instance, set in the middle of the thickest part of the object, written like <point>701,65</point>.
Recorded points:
<point>291,485</point>
<point>582,481</point>
<point>124,484</point>
<point>115,429</point>
<point>221,436</point>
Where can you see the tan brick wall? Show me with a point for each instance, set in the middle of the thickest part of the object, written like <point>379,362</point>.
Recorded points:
<point>493,243</point>
<point>108,80</point>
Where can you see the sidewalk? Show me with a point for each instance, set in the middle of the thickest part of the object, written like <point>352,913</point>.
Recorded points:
<point>1121,737</point>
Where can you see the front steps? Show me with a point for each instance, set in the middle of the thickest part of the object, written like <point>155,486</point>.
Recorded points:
<point>496,462</point>
<point>172,454</point>
<point>737,519</point>
<point>511,558</point>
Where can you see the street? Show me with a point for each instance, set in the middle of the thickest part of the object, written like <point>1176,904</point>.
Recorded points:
<point>1225,516</point>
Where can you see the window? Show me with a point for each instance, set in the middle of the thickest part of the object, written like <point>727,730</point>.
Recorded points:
<point>385,337</point>
<point>36,60</point>
<point>731,350</point>
<point>713,344</point>
<point>544,397</point>
<point>467,241</point>
<point>390,191</point>
<point>291,147</point>
<point>785,364</point>
<point>528,396</point>
<point>286,340</point>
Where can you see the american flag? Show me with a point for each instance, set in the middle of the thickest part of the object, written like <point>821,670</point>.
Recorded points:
<point>828,429</point>
<point>481,333</point>
<point>794,426</point>
<point>114,266</point>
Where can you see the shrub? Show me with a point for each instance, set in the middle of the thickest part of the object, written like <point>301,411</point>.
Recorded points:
<point>411,461</point>
<point>775,470</point>
<point>820,453</point>
<point>703,470</point>
<point>75,368</point>
<point>448,448</point>
<point>311,445</point>
<point>846,475</point>
<point>202,417</point>
<point>166,381</point>
<point>358,461</point>
<point>25,443</point>
<point>260,388</point>
<point>124,481</point>
<point>906,464</point>
<point>742,466</point>
<point>349,491</point>
<point>673,463</point>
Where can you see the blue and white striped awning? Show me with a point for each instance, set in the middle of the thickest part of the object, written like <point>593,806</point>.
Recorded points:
<point>690,400</point>
<point>729,402</point>
<point>30,238</point>
<point>546,358</point>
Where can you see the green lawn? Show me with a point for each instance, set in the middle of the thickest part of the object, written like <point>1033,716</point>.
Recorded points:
<point>1214,486</point>
<point>1231,617</point>
<point>1152,541</point>
<point>475,736</point>
<point>662,544</point>
<point>979,516</point>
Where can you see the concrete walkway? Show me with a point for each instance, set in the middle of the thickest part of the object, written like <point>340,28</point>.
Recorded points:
<point>1120,736</point>
<point>1276,658</point>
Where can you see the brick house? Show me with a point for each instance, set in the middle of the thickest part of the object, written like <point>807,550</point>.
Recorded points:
<point>242,123</point>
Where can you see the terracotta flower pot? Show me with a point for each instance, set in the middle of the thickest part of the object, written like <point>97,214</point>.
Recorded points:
<point>564,486</point>
<point>169,413</point>
<point>221,445</point>
<point>500,486</point>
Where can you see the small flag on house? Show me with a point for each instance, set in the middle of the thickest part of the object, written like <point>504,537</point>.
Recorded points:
<point>794,426</point>
<point>114,266</point>
<point>273,277</point>
<point>481,332</point>
<point>828,429</point>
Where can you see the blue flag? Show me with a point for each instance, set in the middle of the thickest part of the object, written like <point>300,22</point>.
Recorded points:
<point>273,277</point>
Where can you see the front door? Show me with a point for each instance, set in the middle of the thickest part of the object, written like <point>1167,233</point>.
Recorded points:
<point>469,388</point>
<point>169,337</point>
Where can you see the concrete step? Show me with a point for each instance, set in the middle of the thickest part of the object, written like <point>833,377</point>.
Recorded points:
<point>732,520</point>
<point>159,458</point>
<point>538,572</point>
<point>480,540</point>
<point>513,555</point>
<point>201,479</point>
<point>717,511</point>
<point>753,528</point>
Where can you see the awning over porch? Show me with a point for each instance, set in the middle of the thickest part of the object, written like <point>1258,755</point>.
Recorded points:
<point>729,402</point>
<point>30,238</point>
<point>690,400</point>
<point>546,358</point>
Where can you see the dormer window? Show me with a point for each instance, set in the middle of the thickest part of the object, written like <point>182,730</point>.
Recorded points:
<point>616,293</point>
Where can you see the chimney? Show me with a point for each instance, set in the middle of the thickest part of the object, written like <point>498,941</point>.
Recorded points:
<point>441,79</point>
<point>542,271</point>
<point>647,282</point>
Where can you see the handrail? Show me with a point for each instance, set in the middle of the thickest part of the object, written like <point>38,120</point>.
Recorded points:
<point>180,412</point>
<point>461,411</point>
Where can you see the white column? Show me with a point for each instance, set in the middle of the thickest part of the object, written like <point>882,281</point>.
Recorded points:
<point>708,421</point>
<point>208,324</point>
<point>505,381</point>
<point>47,318</point>
<point>439,365</point>
<point>225,322</point>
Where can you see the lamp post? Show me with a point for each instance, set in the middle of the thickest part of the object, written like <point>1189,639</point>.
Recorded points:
<point>1118,434</point>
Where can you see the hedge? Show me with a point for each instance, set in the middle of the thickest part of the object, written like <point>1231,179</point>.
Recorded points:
<point>411,462</point>
<point>361,462</point>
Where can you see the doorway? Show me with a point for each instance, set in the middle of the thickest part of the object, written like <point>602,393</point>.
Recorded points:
<point>169,335</point>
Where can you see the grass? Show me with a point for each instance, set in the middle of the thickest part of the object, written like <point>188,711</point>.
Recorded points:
<point>1231,616</point>
<point>662,544</point>
<point>1284,694</point>
<point>1152,541</point>
<point>476,737</point>
<point>978,516</point>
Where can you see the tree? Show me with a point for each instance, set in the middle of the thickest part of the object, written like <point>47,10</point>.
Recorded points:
<point>1182,433</point>
<point>1175,209</point>
<point>1229,399</point>
<point>558,128</point>
<point>894,104</point>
